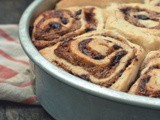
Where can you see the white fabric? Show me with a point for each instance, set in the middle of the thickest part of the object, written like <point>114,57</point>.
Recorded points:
<point>16,79</point>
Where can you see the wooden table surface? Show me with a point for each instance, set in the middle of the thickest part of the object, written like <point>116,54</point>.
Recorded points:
<point>14,111</point>
<point>10,12</point>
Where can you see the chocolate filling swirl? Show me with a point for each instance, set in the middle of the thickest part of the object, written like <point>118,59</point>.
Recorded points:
<point>143,88</point>
<point>54,26</point>
<point>141,17</point>
<point>99,71</point>
<point>57,25</point>
<point>148,83</point>
<point>99,57</point>
<point>104,58</point>
<point>87,50</point>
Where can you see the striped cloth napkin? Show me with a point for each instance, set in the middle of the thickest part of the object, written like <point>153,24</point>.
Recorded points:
<point>16,79</point>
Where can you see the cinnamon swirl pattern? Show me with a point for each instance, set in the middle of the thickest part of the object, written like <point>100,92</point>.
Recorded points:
<point>138,22</point>
<point>57,25</point>
<point>153,2</point>
<point>148,83</point>
<point>105,58</point>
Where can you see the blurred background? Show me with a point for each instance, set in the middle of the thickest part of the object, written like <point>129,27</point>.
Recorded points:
<point>11,10</point>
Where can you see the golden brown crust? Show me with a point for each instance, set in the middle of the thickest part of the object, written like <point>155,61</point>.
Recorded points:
<point>57,25</point>
<point>99,3</point>
<point>73,37</point>
<point>104,58</point>
<point>148,83</point>
<point>138,22</point>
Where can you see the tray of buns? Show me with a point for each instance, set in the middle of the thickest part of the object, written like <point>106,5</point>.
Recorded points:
<point>88,55</point>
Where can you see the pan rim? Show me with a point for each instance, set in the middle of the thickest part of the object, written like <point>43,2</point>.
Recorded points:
<point>72,80</point>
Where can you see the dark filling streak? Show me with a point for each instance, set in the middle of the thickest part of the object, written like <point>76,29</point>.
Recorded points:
<point>154,67</point>
<point>64,20</point>
<point>138,74</point>
<point>89,29</point>
<point>85,77</point>
<point>134,20</point>
<point>66,41</point>
<point>125,10</point>
<point>78,12</point>
<point>55,25</point>
<point>117,58</point>
<point>86,50</point>
<point>142,17</point>
<point>89,17</point>
<point>121,72</point>
<point>116,47</point>
<point>142,85</point>
<point>129,62</point>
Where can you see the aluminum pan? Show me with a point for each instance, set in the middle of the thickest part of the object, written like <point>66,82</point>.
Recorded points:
<point>67,78</point>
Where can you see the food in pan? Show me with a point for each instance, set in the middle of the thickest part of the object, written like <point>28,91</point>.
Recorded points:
<point>105,58</point>
<point>148,82</point>
<point>57,25</point>
<point>138,22</point>
<point>99,3</point>
<point>153,2</point>
<point>104,45</point>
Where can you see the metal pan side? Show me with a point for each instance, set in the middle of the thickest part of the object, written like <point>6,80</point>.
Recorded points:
<point>37,7</point>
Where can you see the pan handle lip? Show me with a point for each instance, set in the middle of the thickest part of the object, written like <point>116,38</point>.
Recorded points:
<point>69,79</point>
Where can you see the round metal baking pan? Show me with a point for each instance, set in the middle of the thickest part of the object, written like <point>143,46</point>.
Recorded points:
<point>67,97</point>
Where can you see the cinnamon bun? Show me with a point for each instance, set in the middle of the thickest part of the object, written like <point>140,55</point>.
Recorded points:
<point>99,3</point>
<point>57,25</point>
<point>153,2</point>
<point>148,82</point>
<point>140,23</point>
<point>104,58</point>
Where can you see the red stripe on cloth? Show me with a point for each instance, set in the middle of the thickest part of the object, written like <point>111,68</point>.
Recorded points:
<point>11,58</point>
<point>6,36</point>
<point>26,84</point>
<point>21,85</point>
<point>30,100</point>
<point>6,73</point>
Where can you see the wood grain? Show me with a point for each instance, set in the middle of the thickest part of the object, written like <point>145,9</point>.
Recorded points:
<point>14,111</point>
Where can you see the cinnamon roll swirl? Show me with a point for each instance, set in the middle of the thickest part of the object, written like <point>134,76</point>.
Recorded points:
<point>153,2</point>
<point>104,58</point>
<point>57,25</point>
<point>99,3</point>
<point>138,22</point>
<point>148,83</point>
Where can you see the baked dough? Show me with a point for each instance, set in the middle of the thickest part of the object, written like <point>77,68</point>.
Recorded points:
<point>99,3</point>
<point>104,58</point>
<point>57,25</point>
<point>140,23</point>
<point>153,2</point>
<point>148,83</point>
